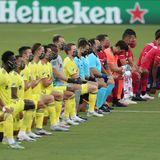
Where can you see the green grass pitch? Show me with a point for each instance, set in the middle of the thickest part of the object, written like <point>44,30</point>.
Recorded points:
<point>131,133</point>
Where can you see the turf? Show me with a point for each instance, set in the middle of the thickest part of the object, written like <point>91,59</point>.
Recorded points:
<point>118,136</point>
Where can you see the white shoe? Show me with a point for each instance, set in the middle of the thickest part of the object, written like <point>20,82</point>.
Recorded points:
<point>64,125</point>
<point>146,96</point>
<point>70,122</point>
<point>42,132</point>
<point>25,137</point>
<point>77,119</point>
<point>16,146</point>
<point>33,135</point>
<point>58,128</point>
<point>123,102</point>
<point>129,101</point>
<point>93,113</point>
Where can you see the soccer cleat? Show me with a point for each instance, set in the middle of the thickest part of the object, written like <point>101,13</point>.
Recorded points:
<point>77,119</point>
<point>118,104</point>
<point>64,125</point>
<point>25,137</point>
<point>93,113</point>
<point>138,98</point>
<point>16,146</point>
<point>146,96</point>
<point>84,118</point>
<point>105,109</point>
<point>70,122</point>
<point>129,101</point>
<point>123,102</point>
<point>58,128</point>
<point>33,135</point>
<point>41,131</point>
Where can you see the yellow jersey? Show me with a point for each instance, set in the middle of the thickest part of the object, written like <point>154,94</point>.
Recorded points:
<point>5,86</point>
<point>17,81</point>
<point>26,76</point>
<point>69,67</point>
<point>37,72</point>
<point>47,73</point>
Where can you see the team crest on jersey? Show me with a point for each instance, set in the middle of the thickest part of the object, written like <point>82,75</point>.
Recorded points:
<point>6,87</point>
<point>22,75</point>
<point>20,87</point>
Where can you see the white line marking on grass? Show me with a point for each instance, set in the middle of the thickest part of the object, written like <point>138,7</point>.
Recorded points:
<point>58,28</point>
<point>132,111</point>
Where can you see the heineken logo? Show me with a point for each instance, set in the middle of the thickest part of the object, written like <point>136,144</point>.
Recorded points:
<point>12,11</point>
<point>77,14</point>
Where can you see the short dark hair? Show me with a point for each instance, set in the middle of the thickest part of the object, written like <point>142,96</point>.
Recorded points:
<point>6,56</point>
<point>92,41</point>
<point>53,47</point>
<point>36,47</point>
<point>22,50</point>
<point>46,47</point>
<point>68,47</point>
<point>157,34</point>
<point>122,45</point>
<point>128,32</point>
<point>56,38</point>
<point>18,56</point>
<point>101,37</point>
<point>82,42</point>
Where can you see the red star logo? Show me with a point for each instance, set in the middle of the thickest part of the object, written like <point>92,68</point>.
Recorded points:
<point>137,14</point>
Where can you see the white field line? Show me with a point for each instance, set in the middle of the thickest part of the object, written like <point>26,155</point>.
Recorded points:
<point>132,111</point>
<point>58,28</point>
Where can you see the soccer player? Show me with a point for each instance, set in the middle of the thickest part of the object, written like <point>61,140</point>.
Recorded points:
<point>129,36</point>
<point>154,69</point>
<point>71,71</point>
<point>151,60</point>
<point>104,44</point>
<point>36,70</point>
<point>60,78</point>
<point>47,86</point>
<point>105,80</point>
<point>112,54</point>
<point>26,56</point>
<point>6,82</point>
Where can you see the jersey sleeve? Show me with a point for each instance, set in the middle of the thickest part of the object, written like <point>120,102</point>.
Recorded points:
<point>92,61</point>
<point>110,58</point>
<point>54,63</point>
<point>157,56</point>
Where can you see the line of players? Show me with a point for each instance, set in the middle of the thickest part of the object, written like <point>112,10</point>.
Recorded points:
<point>35,84</point>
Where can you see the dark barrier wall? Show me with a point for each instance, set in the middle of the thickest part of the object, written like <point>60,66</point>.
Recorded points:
<point>80,11</point>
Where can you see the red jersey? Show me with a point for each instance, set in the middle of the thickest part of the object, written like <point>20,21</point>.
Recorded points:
<point>150,57</point>
<point>126,55</point>
<point>102,57</point>
<point>145,50</point>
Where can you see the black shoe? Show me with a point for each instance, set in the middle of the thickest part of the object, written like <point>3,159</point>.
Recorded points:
<point>84,118</point>
<point>99,111</point>
<point>118,104</point>
<point>138,98</point>
<point>110,108</point>
<point>105,109</point>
